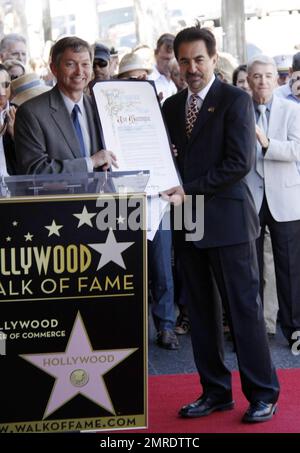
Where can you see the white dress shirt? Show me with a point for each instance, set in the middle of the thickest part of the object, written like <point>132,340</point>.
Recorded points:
<point>201,94</point>
<point>162,84</point>
<point>82,117</point>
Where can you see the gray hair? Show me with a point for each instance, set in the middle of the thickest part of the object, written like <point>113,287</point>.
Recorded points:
<point>261,59</point>
<point>10,38</point>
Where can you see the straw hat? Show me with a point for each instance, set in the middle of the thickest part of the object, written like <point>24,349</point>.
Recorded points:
<point>26,87</point>
<point>131,62</point>
<point>283,63</point>
<point>10,63</point>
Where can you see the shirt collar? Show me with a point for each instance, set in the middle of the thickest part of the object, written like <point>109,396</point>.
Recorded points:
<point>155,73</point>
<point>267,104</point>
<point>202,93</point>
<point>70,104</point>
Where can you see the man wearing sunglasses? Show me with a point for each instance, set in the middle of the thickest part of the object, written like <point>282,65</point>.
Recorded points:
<point>101,62</point>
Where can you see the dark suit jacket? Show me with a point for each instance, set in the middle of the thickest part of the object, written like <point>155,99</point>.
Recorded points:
<point>214,161</point>
<point>10,154</point>
<point>45,137</point>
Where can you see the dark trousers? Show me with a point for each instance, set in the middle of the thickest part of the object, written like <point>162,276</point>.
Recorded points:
<point>236,273</point>
<point>285,238</point>
<point>161,277</point>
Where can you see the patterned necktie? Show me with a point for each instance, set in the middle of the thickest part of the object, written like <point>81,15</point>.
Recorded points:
<point>75,112</point>
<point>262,123</point>
<point>192,114</point>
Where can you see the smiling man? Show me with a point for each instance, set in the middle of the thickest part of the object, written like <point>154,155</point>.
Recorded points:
<point>212,127</point>
<point>57,131</point>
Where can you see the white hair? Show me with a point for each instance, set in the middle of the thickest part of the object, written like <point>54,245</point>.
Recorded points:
<point>261,59</point>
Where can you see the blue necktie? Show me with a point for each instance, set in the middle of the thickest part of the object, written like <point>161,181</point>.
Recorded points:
<point>75,112</point>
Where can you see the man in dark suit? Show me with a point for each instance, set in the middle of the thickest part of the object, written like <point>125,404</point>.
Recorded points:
<point>214,155</point>
<point>56,132</point>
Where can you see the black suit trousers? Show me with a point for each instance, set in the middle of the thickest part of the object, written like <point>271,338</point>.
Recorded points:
<point>285,238</point>
<point>236,272</point>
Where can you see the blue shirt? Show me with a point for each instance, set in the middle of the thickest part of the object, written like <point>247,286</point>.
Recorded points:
<point>285,92</point>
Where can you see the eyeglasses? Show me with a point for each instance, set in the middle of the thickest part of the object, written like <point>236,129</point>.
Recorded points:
<point>5,85</point>
<point>100,63</point>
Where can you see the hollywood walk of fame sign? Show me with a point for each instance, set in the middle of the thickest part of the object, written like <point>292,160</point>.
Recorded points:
<point>73,313</point>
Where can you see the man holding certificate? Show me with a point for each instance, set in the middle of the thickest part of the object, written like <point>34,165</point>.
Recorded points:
<point>56,132</point>
<point>212,127</point>
<point>159,248</point>
<point>133,127</point>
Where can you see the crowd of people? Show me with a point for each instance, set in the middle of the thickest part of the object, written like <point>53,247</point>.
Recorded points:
<point>236,136</point>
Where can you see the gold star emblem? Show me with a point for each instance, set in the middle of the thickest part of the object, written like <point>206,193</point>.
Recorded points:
<point>111,250</point>
<point>85,217</point>
<point>79,370</point>
<point>54,229</point>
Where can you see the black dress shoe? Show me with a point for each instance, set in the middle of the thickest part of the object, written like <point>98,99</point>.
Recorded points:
<point>259,412</point>
<point>205,405</point>
<point>167,339</point>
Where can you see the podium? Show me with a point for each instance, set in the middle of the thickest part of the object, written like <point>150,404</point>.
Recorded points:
<point>73,303</point>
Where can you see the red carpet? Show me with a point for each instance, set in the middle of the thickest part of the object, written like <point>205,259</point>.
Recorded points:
<point>168,393</point>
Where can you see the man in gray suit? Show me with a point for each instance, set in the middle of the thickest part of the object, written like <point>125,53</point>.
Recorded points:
<point>57,132</point>
<point>274,181</point>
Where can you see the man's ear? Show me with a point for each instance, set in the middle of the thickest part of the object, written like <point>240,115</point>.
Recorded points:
<point>53,68</point>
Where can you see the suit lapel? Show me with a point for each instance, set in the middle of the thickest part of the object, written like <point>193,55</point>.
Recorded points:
<point>63,121</point>
<point>181,110</point>
<point>274,123</point>
<point>208,108</point>
<point>94,137</point>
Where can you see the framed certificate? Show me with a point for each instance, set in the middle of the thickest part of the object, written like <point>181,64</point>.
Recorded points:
<point>133,128</point>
